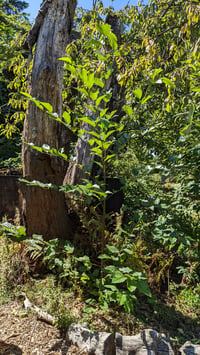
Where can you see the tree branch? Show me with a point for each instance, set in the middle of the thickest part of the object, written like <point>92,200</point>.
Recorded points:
<point>34,31</point>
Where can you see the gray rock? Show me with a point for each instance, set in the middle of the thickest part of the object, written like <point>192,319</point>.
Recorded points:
<point>190,349</point>
<point>148,342</point>
<point>92,342</point>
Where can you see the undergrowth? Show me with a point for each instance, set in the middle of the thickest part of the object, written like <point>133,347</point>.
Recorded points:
<point>175,311</point>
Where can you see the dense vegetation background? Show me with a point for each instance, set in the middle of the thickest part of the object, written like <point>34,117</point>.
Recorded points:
<point>141,88</point>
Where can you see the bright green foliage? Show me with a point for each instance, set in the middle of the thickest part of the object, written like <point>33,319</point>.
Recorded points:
<point>151,140</point>
<point>13,27</point>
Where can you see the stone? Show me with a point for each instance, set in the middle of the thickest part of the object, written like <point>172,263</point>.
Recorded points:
<point>92,342</point>
<point>148,342</point>
<point>189,349</point>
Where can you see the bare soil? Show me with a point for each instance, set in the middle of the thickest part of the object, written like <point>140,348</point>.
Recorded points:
<point>22,333</point>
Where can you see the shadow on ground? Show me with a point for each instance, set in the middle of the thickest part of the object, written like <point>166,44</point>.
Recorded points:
<point>8,349</point>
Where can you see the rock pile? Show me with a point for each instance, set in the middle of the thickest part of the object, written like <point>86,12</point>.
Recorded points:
<point>148,342</point>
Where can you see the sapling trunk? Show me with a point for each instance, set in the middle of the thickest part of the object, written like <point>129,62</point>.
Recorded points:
<point>104,209</point>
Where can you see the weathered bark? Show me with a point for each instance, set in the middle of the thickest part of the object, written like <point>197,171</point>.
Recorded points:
<point>80,169</point>
<point>44,210</point>
<point>82,166</point>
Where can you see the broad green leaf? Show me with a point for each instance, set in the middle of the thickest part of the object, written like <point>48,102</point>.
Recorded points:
<point>125,269</point>
<point>47,106</point>
<point>109,268</point>
<point>88,120</point>
<point>83,91</point>
<point>67,117</point>
<point>118,277</point>
<point>131,285</point>
<point>144,288</point>
<point>138,93</point>
<point>99,82</point>
<point>94,95</point>
<point>71,69</point>
<point>128,110</point>
<point>112,249</point>
<point>128,251</point>
<point>97,151</point>
<point>88,310</point>
<point>106,30</point>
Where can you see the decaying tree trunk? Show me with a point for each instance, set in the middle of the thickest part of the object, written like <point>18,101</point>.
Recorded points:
<point>82,166</point>
<point>44,210</point>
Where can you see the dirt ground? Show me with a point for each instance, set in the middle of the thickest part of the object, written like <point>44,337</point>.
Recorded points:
<point>21,333</point>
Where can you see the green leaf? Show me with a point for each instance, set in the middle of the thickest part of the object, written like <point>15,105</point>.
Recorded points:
<point>144,288</point>
<point>88,120</point>
<point>196,89</point>
<point>66,59</point>
<point>83,91</point>
<point>94,95</point>
<point>128,251</point>
<point>111,287</point>
<point>138,93</point>
<point>145,99</point>
<point>131,285</point>
<point>71,69</point>
<point>47,106</point>
<point>125,270</point>
<point>110,268</point>
<point>104,256</point>
<point>118,277</point>
<point>88,310</point>
<point>128,110</point>
<point>105,98</point>
<point>168,82</point>
<point>112,249</point>
<point>106,30</point>
<point>99,82</point>
<point>67,117</point>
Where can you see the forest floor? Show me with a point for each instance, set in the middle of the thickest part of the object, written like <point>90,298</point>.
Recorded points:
<point>21,333</point>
